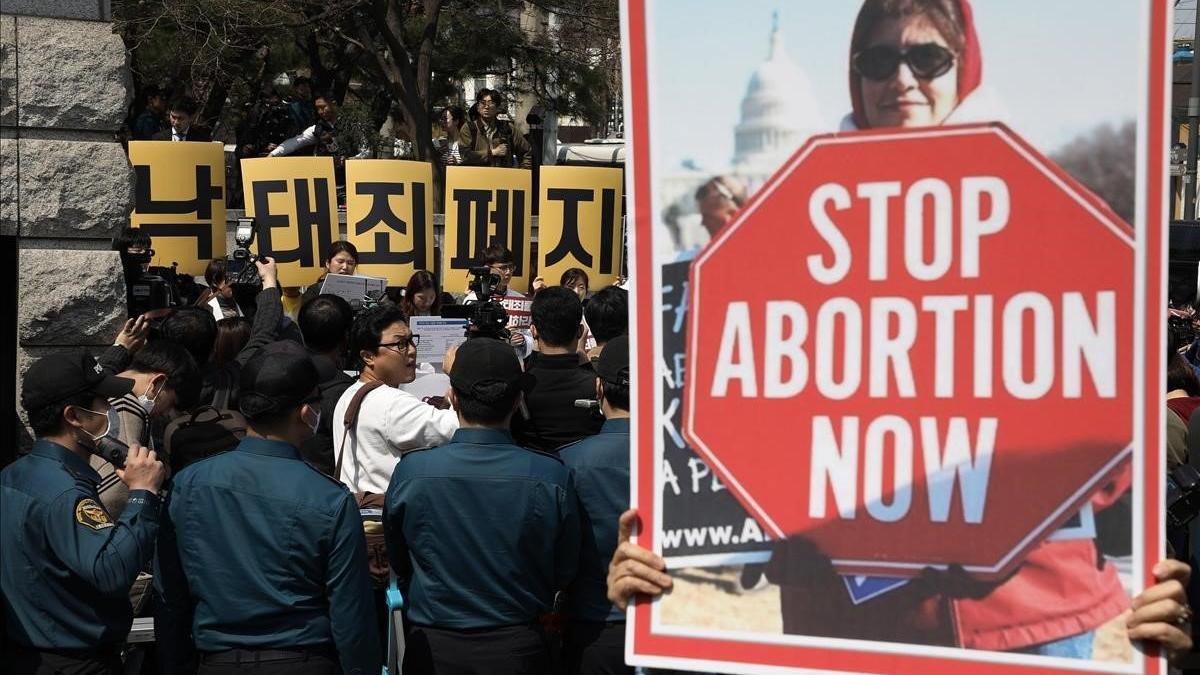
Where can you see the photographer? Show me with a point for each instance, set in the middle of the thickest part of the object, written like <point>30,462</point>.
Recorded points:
<point>196,330</point>
<point>490,141</point>
<point>147,288</point>
<point>218,297</point>
<point>516,304</point>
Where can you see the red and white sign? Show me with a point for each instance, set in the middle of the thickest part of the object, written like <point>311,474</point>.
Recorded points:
<point>908,350</point>
<point>950,383</point>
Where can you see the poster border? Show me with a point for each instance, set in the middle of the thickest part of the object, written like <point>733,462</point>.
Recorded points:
<point>649,647</point>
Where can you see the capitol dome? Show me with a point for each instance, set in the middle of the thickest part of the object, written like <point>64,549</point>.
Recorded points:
<point>779,112</point>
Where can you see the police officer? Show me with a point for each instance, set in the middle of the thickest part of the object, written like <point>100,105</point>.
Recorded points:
<point>67,565</point>
<point>595,642</point>
<point>480,532</point>
<point>262,561</point>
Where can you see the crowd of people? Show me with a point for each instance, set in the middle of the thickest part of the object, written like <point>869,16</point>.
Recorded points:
<point>248,468</point>
<point>273,473</point>
<point>310,122</point>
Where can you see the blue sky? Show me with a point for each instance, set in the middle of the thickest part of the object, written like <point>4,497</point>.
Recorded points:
<point>1060,67</point>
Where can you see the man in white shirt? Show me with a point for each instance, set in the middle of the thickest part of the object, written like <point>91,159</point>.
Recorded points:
<point>390,420</point>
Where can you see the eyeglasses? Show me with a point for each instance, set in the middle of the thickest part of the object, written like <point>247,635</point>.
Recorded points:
<point>927,61</point>
<point>506,268</point>
<point>403,343</point>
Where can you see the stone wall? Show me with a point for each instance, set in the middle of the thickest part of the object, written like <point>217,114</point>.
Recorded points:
<point>66,187</point>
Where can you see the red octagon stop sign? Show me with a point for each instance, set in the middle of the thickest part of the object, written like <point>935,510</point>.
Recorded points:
<point>915,349</point>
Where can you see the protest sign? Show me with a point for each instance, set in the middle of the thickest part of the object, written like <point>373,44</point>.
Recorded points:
<point>579,223</point>
<point>485,204</point>
<point>922,340</point>
<point>389,217</point>
<point>179,200</point>
<point>293,203</point>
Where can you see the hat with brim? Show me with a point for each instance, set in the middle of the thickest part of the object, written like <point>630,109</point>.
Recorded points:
<point>53,379</point>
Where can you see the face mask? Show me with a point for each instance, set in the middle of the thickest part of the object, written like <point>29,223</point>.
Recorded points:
<point>316,423</point>
<point>147,403</point>
<point>111,428</point>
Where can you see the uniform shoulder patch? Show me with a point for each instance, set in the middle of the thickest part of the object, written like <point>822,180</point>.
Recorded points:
<point>90,513</point>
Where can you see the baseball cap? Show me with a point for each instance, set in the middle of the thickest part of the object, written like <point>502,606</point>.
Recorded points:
<point>483,362</point>
<point>613,364</point>
<point>54,378</point>
<point>280,377</point>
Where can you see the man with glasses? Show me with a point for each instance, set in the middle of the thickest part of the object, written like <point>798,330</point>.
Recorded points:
<point>516,304</point>
<point>490,141</point>
<point>391,421</point>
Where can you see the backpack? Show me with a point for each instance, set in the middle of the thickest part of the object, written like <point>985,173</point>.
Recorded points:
<point>370,505</point>
<point>206,431</point>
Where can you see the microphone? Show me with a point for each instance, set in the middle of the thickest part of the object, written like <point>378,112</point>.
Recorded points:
<point>587,403</point>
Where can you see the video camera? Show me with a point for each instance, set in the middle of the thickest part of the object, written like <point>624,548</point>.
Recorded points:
<point>155,287</point>
<point>485,316</point>
<point>239,267</point>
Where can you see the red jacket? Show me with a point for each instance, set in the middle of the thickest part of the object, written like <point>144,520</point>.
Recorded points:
<point>1062,588</point>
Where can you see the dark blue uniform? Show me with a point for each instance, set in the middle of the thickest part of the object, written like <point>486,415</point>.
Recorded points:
<point>260,551</point>
<point>481,534</point>
<point>600,467</point>
<point>66,566</point>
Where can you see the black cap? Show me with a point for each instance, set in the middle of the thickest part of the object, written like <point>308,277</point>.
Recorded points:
<point>613,364</point>
<point>280,377</point>
<point>54,378</point>
<point>483,362</point>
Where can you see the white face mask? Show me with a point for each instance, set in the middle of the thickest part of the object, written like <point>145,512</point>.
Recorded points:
<point>316,423</point>
<point>109,429</point>
<point>147,403</point>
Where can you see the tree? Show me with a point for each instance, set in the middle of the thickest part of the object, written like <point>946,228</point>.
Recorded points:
<point>399,57</point>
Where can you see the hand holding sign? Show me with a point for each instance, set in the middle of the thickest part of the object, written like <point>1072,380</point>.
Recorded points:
<point>634,569</point>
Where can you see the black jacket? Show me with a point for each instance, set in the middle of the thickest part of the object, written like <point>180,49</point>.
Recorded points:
<point>554,421</point>
<point>221,382</point>
<point>321,450</point>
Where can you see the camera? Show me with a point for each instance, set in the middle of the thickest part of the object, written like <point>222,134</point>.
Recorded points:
<point>485,317</point>
<point>152,288</point>
<point>239,267</point>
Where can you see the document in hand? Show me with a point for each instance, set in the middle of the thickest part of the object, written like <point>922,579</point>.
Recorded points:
<point>353,289</point>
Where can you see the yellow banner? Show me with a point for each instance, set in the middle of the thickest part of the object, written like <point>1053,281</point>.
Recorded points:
<point>179,200</point>
<point>579,223</point>
<point>485,204</point>
<point>389,217</point>
<point>294,205</point>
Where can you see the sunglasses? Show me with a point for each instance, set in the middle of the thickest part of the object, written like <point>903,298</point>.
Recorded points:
<point>926,61</point>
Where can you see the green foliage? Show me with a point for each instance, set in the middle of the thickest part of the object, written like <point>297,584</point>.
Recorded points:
<point>223,51</point>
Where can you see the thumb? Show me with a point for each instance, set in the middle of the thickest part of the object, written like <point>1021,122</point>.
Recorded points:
<point>626,524</point>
